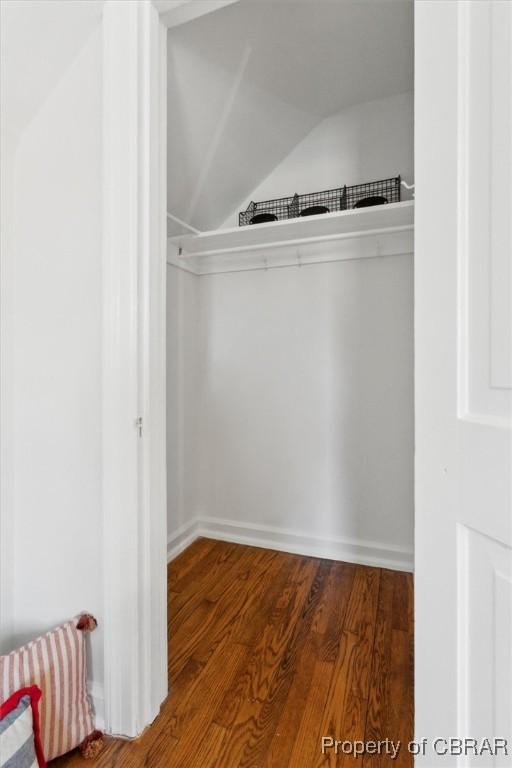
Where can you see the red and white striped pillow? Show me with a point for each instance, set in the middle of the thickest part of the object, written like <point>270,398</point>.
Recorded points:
<point>56,663</point>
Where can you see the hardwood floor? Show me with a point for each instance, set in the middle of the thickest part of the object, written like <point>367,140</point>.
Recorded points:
<point>268,652</point>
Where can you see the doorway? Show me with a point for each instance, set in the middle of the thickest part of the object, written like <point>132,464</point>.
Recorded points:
<point>301,245</point>
<point>290,380</point>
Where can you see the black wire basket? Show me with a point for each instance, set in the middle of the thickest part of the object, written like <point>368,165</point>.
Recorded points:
<point>316,203</point>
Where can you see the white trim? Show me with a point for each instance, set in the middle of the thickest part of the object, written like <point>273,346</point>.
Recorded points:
<point>397,243</point>
<point>299,242</point>
<point>182,538</point>
<point>351,223</point>
<point>97,697</point>
<point>7,435</point>
<point>120,455</point>
<point>345,251</point>
<point>360,551</point>
<point>134,514</point>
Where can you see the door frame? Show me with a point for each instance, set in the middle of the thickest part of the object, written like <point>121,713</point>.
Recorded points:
<point>134,497</point>
<point>133,386</point>
<point>134,245</point>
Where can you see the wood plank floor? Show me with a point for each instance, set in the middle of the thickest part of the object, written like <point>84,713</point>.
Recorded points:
<point>268,652</point>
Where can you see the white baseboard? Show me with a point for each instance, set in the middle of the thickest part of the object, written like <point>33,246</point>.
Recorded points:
<point>181,538</point>
<point>362,552</point>
<point>95,691</point>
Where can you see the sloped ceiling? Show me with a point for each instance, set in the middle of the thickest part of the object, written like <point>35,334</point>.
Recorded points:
<point>248,82</point>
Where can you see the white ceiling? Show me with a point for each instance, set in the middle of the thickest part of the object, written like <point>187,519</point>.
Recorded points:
<point>249,81</point>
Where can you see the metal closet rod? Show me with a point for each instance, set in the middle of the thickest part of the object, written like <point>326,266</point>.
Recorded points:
<point>183,223</point>
<point>296,242</point>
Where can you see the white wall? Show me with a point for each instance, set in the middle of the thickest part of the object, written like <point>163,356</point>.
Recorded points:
<point>365,142</point>
<point>51,342</point>
<point>303,407</point>
<point>291,402</point>
<point>182,387</point>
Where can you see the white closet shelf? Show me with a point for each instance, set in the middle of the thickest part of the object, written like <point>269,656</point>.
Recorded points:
<point>383,230</point>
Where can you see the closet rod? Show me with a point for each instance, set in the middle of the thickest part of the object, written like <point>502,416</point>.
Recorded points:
<point>297,242</point>
<point>183,223</point>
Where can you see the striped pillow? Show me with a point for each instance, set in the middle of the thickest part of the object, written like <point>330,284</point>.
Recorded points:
<point>20,745</point>
<point>56,663</point>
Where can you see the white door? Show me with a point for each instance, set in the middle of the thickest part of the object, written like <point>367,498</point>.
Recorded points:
<point>463,300</point>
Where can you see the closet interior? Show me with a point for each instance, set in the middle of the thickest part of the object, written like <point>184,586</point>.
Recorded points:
<point>290,279</point>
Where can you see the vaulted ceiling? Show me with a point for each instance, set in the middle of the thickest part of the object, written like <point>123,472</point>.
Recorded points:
<point>249,81</point>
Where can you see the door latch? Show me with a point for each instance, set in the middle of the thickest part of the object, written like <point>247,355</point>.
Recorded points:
<point>138,424</point>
